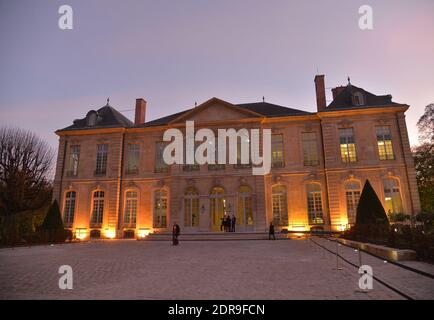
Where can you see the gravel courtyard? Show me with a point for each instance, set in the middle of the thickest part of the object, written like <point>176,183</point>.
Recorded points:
<point>122,269</point>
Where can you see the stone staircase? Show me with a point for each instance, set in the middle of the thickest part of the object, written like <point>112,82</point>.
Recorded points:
<point>217,236</point>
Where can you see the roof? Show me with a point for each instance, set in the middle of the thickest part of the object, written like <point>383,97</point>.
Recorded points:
<point>263,108</point>
<point>344,100</point>
<point>106,117</point>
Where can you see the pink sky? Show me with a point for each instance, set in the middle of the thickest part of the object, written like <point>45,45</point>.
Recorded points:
<point>173,53</point>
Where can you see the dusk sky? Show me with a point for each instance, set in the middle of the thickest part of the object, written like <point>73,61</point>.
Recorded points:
<point>173,53</point>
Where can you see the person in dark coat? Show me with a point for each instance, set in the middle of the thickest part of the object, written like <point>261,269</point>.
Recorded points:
<point>234,220</point>
<point>176,231</point>
<point>271,232</point>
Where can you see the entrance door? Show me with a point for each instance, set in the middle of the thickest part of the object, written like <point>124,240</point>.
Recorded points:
<point>217,206</point>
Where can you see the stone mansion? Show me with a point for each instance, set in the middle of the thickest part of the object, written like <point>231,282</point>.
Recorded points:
<point>111,180</point>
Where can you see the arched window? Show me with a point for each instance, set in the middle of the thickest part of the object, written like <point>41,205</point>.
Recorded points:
<point>98,207</point>
<point>160,208</point>
<point>392,196</point>
<point>352,196</point>
<point>314,203</point>
<point>69,208</point>
<point>280,209</point>
<point>217,206</point>
<point>130,212</point>
<point>191,207</point>
<point>245,206</point>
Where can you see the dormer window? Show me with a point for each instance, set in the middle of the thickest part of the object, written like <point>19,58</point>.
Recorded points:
<point>358,99</point>
<point>91,118</point>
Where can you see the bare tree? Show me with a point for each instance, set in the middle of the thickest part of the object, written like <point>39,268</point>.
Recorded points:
<point>426,124</point>
<point>25,166</point>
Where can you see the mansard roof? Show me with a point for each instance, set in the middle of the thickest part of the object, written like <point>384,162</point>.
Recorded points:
<point>105,117</point>
<point>345,99</point>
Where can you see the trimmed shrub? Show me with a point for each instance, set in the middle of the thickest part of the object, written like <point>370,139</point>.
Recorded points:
<point>52,229</point>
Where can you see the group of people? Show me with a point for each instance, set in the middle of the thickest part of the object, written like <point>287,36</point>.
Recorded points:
<point>228,223</point>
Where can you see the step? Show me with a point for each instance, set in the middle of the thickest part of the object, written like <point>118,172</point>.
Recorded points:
<point>215,236</point>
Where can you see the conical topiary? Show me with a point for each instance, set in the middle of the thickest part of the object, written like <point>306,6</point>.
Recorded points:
<point>53,219</point>
<point>370,210</point>
<point>52,228</point>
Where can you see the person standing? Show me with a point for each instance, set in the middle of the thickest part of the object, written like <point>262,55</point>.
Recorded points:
<point>234,220</point>
<point>271,232</point>
<point>175,234</point>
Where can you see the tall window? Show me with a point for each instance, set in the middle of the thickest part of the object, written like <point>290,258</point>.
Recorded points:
<point>314,203</point>
<point>245,206</point>
<point>280,211</point>
<point>352,196</point>
<point>69,209</point>
<point>191,208</point>
<point>160,165</point>
<point>160,208</point>
<point>101,159</point>
<point>310,149</point>
<point>98,207</point>
<point>216,166</point>
<point>392,196</point>
<point>217,207</point>
<point>130,213</point>
<point>384,142</point>
<point>133,154</point>
<point>191,167</point>
<point>347,144</point>
<point>277,150</point>
<point>74,157</point>
<point>243,139</point>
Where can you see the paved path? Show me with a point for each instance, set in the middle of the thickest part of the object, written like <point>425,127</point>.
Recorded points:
<point>286,269</point>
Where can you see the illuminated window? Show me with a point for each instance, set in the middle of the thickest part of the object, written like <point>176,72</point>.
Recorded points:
<point>277,151</point>
<point>160,165</point>
<point>216,166</point>
<point>245,206</point>
<point>392,196</point>
<point>279,205</point>
<point>384,142</point>
<point>74,157</point>
<point>314,203</point>
<point>310,149</point>
<point>160,208</point>
<point>191,207</point>
<point>133,154</point>
<point>243,142</point>
<point>352,195</point>
<point>69,208</point>
<point>101,159</point>
<point>347,144</point>
<point>98,207</point>
<point>130,212</point>
<point>217,207</point>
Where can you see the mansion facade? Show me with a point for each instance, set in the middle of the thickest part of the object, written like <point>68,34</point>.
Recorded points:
<point>111,180</point>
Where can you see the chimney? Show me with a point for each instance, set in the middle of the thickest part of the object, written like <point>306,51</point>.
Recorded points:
<point>336,91</point>
<point>320,92</point>
<point>140,111</point>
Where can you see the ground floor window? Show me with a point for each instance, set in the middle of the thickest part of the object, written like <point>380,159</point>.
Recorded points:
<point>279,205</point>
<point>191,207</point>
<point>217,206</point>
<point>98,207</point>
<point>314,203</point>
<point>245,206</point>
<point>69,208</point>
<point>160,208</point>
<point>392,196</point>
<point>352,196</point>
<point>130,212</point>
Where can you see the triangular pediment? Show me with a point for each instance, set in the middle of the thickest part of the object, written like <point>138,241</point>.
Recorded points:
<point>214,110</point>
